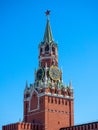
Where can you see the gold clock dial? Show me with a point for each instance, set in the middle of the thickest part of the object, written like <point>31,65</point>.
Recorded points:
<point>54,73</point>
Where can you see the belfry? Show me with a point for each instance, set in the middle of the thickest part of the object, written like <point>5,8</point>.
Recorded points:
<point>48,102</point>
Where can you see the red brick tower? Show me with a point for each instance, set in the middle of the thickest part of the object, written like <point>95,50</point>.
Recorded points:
<point>48,102</point>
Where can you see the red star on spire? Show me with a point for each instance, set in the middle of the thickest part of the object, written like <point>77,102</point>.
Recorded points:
<point>47,12</point>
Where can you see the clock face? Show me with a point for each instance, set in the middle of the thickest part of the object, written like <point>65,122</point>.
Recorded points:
<point>54,73</point>
<point>40,73</point>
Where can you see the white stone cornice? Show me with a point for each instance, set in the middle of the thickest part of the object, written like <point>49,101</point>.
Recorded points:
<point>55,95</point>
<point>47,57</point>
<point>50,94</point>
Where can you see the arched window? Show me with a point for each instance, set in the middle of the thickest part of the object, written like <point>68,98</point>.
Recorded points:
<point>47,49</point>
<point>41,50</point>
<point>27,95</point>
<point>53,49</point>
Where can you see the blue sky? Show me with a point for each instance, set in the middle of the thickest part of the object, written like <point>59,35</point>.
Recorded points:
<point>74,26</point>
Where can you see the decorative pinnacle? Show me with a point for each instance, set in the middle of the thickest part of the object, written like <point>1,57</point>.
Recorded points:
<point>26,84</point>
<point>70,84</point>
<point>45,75</point>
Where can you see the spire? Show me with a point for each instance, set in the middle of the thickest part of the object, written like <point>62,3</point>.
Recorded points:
<point>48,34</point>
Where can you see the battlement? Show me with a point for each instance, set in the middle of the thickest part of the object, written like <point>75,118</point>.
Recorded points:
<point>87,126</point>
<point>22,126</point>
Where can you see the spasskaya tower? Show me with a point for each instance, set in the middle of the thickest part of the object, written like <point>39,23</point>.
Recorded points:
<point>48,101</point>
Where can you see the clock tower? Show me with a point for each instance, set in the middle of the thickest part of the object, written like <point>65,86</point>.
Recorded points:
<point>48,101</point>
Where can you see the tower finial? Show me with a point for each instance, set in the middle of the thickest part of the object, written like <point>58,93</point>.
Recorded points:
<point>47,13</point>
<point>48,33</point>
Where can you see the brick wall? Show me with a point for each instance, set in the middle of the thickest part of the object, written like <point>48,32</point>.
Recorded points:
<point>58,113</point>
<point>88,126</point>
<point>22,126</point>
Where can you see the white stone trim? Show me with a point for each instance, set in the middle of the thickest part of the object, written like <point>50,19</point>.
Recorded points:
<point>55,95</point>
<point>38,105</point>
<point>50,94</point>
<point>46,57</point>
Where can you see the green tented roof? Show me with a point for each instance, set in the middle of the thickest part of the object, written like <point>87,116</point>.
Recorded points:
<point>48,34</point>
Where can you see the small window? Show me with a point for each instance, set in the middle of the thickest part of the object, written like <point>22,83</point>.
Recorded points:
<point>27,95</point>
<point>58,122</point>
<point>47,48</point>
